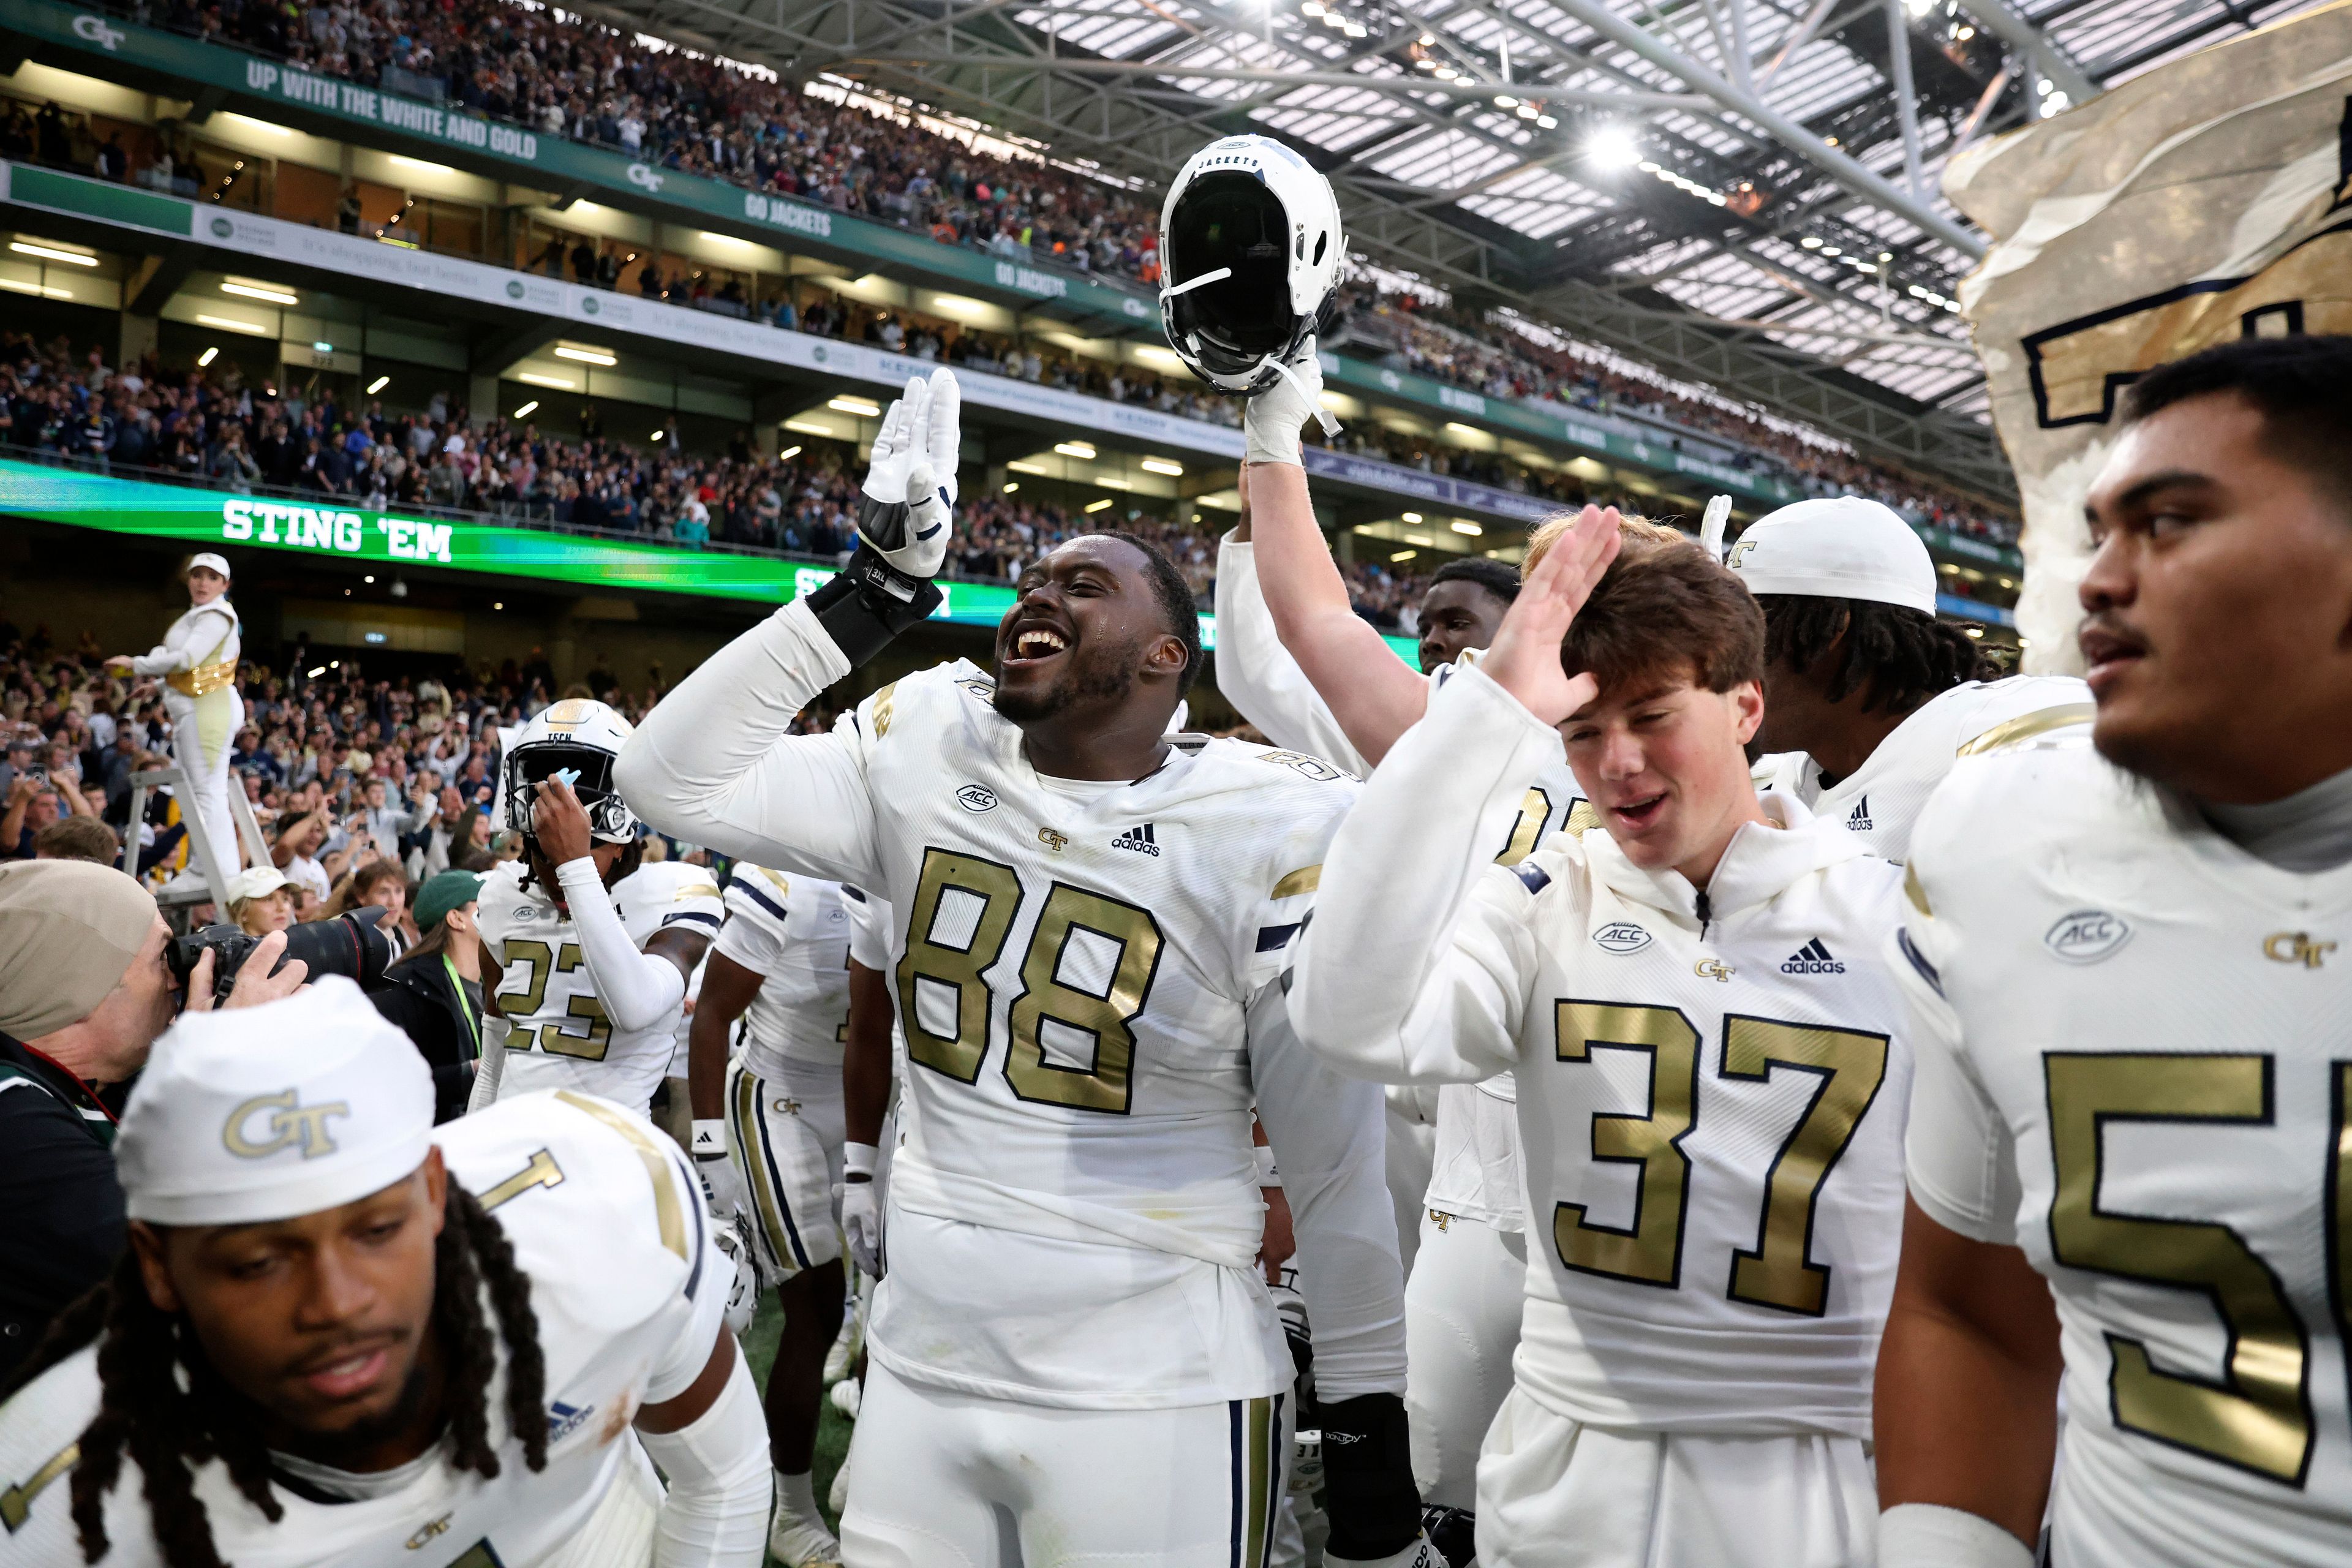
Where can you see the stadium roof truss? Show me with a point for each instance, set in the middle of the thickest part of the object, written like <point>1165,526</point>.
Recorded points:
<point>1744,193</point>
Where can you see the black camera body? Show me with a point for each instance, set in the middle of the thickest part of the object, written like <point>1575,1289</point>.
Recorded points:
<point>349,945</point>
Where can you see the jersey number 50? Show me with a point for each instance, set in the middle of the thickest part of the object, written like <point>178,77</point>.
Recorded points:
<point>963,912</point>
<point>2257,1415</point>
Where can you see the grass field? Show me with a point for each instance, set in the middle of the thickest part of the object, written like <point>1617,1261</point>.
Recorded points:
<point>833,1427</point>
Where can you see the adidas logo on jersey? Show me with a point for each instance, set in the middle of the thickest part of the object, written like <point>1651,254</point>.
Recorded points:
<point>1813,959</point>
<point>1138,839</point>
<point>1858,819</point>
<point>562,1420</point>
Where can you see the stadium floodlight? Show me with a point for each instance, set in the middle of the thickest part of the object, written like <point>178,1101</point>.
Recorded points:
<point>526,410</point>
<point>1613,147</point>
<point>260,291</point>
<point>51,253</point>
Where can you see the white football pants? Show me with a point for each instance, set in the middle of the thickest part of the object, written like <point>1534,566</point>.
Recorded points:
<point>203,732</point>
<point>943,1479</point>
<point>1462,1307</point>
<point>1555,1493</point>
<point>1412,1145</point>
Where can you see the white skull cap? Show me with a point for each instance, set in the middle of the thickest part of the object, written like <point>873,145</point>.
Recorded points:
<point>1840,547</point>
<point>263,1113</point>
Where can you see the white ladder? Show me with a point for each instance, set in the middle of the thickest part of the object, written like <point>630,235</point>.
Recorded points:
<point>200,846</point>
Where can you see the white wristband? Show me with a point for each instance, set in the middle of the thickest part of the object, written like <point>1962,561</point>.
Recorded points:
<point>709,1138</point>
<point>1929,1535</point>
<point>858,1160</point>
<point>1267,1176</point>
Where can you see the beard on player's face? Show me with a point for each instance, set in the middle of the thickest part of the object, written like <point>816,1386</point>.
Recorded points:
<point>1078,634</point>
<point>1095,673</point>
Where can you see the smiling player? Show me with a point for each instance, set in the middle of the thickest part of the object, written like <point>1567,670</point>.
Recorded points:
<point>1072,1353</point>
<point>1711,1110</point>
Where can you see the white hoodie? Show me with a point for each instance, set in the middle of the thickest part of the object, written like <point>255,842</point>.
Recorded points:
<point>1712,1086</point>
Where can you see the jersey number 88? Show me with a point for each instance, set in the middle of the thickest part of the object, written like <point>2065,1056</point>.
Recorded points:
<point>963,912</point>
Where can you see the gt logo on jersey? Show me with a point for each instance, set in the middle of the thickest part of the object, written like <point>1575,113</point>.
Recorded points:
<point>289,1124</point>
<point>1621,937</point>
<point>2086,936</point>
<point>1713,969</point>
<point>976,799</point>
<point>424,1534</point>
<point>1057,842</point>
<point>2296,947</point>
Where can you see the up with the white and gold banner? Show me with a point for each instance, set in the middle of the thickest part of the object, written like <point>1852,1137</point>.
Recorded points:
<point>2209,199</point>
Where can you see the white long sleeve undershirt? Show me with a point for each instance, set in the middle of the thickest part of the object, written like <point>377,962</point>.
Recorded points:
<point>638,990</point>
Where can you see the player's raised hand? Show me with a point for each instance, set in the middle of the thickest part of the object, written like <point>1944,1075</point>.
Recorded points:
<point>943,434</point>
<point>1525,657</point>
<point>1272,421</point>
<point>559,823</point>
<point>903,507</point>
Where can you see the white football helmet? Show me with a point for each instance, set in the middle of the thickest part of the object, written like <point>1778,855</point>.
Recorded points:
<point>580,739</point>
<point>1250,250</point>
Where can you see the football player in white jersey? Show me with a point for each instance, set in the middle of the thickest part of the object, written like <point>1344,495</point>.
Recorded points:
<point>1711,1077</point>
<point>1298,661</point>
<point>585,1007</point>
<point>345,1336</point>
<point>768,1137</point>
<point>1072,1353</point>
<point>2126,945</point>
<point>1868,698</point>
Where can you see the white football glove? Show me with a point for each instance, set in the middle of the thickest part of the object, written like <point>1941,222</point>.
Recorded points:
<point>861,1208</point>
<point>1273,419</point>
<point>743,1291</point>
<point>722,1184</point>
<point>905,509</point>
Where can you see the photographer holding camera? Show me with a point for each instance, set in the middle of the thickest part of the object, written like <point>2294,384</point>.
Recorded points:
<point>87,981</point>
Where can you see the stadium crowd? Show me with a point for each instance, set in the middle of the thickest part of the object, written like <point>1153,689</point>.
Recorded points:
<point>213,426</point>
<point>698,115</point>
<point>1498,360</point>
<point>363,786</point>
<point>578,78</point>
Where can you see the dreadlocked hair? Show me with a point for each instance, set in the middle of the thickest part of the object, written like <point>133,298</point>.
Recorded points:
<point>162,1404</point>
<point>1903,657</point>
